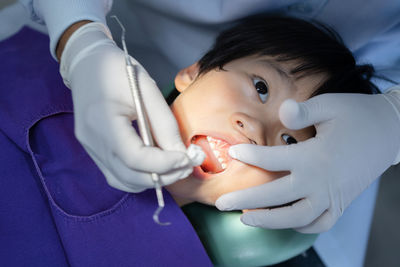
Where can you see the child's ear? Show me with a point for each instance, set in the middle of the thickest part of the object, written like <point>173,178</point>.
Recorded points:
<point>186,76</point>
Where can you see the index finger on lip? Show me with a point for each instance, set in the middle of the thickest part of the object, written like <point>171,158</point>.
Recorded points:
<point>299,214</point>
<point>278,192</point>
<point>276,158</point>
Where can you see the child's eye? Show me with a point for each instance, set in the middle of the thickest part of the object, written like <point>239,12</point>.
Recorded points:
<point>289,139</point>
<point>262,88</point>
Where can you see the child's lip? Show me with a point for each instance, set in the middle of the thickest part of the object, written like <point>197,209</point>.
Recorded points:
<point>227,138</point>
<point>216,148</point>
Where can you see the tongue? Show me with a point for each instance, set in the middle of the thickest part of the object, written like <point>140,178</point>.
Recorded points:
<point>211,163</point>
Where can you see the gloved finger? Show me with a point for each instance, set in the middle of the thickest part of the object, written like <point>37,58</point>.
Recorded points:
<point>114,182</point>
<point>111,179</point>
<point>196,156</point>
<point>297,215</point>
<point>177,174</point>
<point>278,192</point>
<point>139,180</point>
<point>321,224</point>
<point>301,115</point>
<point>163,123</point>
<point>131,178</point>
<point>128,147</point>
<point>125,179</point>
<point>274,158</point>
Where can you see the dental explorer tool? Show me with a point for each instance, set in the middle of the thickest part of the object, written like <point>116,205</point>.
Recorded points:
<point>144,125</point>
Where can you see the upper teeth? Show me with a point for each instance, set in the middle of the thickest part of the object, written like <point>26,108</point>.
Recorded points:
<point>212,142</point>
<point>210,139</point>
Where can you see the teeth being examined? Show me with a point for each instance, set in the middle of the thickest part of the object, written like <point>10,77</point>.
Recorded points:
<point>215,145</point>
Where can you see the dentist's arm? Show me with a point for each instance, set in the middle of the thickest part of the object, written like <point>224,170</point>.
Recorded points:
<point>93,67</point>
<point>358,138</point>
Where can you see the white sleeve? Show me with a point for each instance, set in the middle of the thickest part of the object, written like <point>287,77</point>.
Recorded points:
<point>393,96</point>
<point>383,52</point>
<point>58,15</point>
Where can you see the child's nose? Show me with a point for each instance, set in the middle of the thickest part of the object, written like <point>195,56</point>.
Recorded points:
<point>249,127</point>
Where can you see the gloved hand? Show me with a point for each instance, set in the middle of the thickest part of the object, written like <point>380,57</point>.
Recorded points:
<point>358,138</point>
<point>94,68</point>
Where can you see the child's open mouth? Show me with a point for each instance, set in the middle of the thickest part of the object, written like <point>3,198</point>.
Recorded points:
<point>216,150</point>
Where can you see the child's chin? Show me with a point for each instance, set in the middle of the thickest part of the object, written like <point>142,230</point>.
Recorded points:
<point>185,201</point>
<point>182,201</point>
<point>207,201</point>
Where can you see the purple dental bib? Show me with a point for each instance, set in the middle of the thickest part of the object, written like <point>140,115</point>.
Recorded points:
<point>56,208</point>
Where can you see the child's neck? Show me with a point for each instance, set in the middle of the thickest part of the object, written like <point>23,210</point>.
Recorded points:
<point>181,201</point>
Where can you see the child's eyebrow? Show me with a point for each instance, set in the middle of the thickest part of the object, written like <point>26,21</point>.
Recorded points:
<point>272,64</point>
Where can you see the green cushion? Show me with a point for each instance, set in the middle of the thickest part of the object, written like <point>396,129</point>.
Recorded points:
<point>231,243</point>
<point>167,90</point>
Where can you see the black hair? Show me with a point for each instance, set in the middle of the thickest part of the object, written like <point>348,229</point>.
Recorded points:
<point>316,47</point>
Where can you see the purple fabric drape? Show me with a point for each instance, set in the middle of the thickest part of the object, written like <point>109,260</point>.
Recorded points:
<point>56,208</point>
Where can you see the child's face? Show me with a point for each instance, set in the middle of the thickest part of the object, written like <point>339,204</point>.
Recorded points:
<point>226,106</point>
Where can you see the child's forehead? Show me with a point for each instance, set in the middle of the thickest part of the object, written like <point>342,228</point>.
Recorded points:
<point>304,83</point>
<point>284,67</point>
<point>293,70</point>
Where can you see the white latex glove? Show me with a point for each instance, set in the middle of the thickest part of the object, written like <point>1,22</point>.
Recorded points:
<point>358,138</point>
<point>94,68</point>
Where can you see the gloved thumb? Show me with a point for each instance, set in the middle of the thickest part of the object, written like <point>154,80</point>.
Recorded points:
<point>297,116</point>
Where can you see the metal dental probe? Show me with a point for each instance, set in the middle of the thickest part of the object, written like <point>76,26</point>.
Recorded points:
<point>144,125</point>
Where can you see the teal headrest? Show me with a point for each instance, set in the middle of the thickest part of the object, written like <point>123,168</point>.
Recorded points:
<point>229,242</point>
